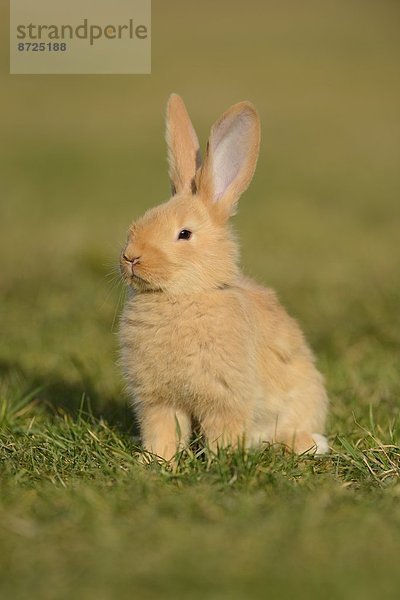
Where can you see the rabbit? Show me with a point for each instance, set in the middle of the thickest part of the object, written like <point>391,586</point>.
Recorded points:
<point>199,341</point>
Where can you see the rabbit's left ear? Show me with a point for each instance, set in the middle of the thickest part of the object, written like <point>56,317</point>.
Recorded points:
<point>231,159</point>
<point>183,146</point>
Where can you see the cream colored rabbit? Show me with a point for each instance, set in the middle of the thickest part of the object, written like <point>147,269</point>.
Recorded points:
<point>200,342</point>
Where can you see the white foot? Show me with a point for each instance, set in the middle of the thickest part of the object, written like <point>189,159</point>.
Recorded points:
<point>321,444</point>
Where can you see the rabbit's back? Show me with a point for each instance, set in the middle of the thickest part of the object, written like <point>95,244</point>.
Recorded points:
<point>293,389</point>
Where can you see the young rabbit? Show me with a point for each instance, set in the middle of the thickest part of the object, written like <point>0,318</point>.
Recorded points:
<point>200,342</point>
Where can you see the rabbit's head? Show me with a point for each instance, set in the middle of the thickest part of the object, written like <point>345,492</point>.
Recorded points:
<point>186,244</point>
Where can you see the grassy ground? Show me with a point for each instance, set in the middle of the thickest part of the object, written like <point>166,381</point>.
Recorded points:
<point>81,156</point>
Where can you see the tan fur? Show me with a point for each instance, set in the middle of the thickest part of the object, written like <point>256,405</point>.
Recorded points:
<point>183,146</point>
<point>199,340</point>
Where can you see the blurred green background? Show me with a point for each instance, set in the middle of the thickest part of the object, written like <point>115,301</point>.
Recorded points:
<point>80,156</point>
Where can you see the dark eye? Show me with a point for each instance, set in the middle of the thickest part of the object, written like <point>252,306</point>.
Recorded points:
<point>185,234</point>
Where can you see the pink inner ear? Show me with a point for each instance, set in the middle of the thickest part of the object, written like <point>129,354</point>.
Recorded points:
<point>230,144</point>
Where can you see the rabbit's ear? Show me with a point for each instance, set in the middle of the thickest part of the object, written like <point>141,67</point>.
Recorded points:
<point>231,159</point>
<point>183,146</point>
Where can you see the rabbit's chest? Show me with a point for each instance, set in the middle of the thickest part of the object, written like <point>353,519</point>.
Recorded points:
<point>179,352</point>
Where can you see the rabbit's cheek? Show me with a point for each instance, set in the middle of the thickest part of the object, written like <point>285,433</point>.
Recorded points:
<point>155,267</point>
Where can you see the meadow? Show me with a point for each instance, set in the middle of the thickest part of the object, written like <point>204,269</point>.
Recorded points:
<point>80,157</point>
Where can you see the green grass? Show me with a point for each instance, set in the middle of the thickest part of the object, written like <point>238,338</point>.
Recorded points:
<point>80,516</point>
<point>79,158</point>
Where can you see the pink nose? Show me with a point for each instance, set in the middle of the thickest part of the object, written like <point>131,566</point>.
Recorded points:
<point>134,260</point>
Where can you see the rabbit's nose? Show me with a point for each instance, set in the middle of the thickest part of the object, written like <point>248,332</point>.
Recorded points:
<point>134,260</point>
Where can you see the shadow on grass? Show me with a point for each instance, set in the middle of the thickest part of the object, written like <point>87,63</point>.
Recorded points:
<point>55,394</point>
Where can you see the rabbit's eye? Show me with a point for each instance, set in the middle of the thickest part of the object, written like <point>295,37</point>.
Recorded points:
<point>185,234</point>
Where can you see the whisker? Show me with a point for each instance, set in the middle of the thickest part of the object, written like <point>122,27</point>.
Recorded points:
<point>120,302</point>
<point>112,284</point>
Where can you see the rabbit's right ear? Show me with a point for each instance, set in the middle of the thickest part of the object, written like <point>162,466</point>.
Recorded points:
<point>183,146</point>
<point>231,159</point>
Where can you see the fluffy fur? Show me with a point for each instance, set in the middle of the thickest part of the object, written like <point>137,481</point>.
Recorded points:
<point>200,342</point>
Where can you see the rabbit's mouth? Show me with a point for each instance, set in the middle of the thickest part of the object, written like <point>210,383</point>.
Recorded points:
<point>139,282</point>
<point>138,278</point>
<point>130,276</point>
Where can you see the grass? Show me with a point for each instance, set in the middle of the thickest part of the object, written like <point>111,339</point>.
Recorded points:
<point>80,515</point>
<point>80,157</point>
